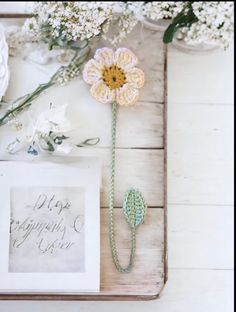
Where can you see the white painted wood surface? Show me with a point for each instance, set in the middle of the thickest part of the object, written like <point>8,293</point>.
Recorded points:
<point>203,134</point>
<point>200,217</point>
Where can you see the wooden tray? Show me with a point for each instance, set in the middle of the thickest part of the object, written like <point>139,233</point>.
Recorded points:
<point>141,162</point>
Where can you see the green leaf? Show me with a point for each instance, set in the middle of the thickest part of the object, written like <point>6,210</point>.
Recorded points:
<point>89,142</point>
<point>134,208</point>
<point>50,147</point>
<point>59,139</point>
<point>183,19</point>
<point>169,34</point>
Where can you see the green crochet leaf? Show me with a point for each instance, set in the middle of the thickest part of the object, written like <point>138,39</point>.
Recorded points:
<point>134,207</point>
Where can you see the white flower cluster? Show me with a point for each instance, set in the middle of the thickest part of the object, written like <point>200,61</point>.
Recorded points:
<point>45,133</point>
<point>123,21</point>
<point>63,22</point>
<point>215,24</point>
<point>157,10</point>
<point>130,12</point>
<point>126,24</point>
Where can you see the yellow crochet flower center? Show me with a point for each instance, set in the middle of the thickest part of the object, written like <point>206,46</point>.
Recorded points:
<point>113,77</point>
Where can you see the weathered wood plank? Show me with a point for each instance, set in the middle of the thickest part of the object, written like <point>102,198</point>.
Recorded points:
<point>200,154</point>
<point>188,83</point>
<point>147,276</point>
<point>138,126</point>
<point>141,169</point>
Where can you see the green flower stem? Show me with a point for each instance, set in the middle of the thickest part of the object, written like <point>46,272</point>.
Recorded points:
<point>134,207</point>
<point>116,261</point>
<point>25,101</point>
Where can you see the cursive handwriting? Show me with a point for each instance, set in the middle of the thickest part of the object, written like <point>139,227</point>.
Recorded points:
<point>46,247</point>
<point>49,227</point>
<point>29,226</point>
<point>50,202</point>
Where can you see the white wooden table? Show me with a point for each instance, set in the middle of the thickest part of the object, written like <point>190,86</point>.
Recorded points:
<point>200,196</point>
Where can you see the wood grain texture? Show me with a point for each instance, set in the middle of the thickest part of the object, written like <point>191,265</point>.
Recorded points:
<point>138,127</point>
<point>201,132</point>
<point>147,275</point>
<point>210,79</point>
<point>134,168</point>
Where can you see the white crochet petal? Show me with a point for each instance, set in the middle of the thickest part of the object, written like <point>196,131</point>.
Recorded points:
<point>104,56</point>
<point>125,59</point>
<point>92,72</point>
<point>136,77</point>
<point>102,93</point>
<point>127,95</point>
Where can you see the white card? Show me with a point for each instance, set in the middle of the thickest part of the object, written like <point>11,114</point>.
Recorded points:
<point>50,226</point>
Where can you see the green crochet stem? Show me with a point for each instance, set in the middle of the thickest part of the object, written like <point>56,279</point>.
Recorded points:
<point>134,207</point>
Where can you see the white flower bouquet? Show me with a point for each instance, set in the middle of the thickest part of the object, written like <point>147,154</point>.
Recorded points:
<point>203,22</point>
<point>65,25</point>
<point>214,25</point>
<point>68,25</point>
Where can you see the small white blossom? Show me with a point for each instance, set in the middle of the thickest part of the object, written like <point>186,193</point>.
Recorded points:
<point>124,20</point>
<point>15,124</point>
<point>64,148</point>
<point>47,133</point>
<point>156,10</point>
<point>52,120</point>
<point>215,24</point>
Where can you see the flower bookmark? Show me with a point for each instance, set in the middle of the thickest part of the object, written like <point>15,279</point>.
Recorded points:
<point>115,79</point>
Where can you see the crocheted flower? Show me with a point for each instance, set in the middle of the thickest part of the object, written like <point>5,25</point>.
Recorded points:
<point>114,76</point>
